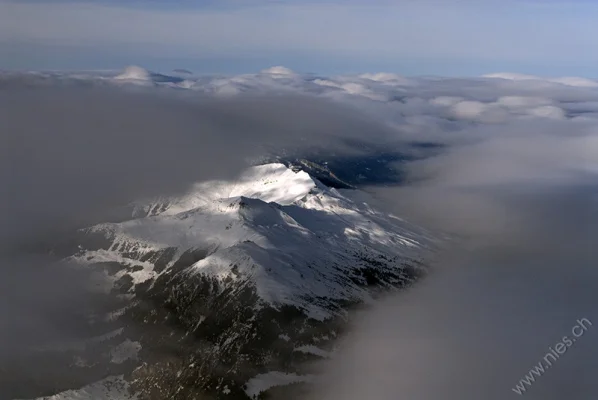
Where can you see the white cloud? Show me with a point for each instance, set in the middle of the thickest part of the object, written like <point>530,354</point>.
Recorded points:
<point>547,112</point>
<point>515,136</point>
<point>516,176</point>
<point>577,81</point>
<point>516,102</point>
<point>351,88</point>
<point>446,100</point>
<point>568,81</point>
<point>388,79</point>
<point>469,109</point>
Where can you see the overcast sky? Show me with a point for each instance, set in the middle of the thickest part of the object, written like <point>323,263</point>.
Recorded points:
<point>452,37</point>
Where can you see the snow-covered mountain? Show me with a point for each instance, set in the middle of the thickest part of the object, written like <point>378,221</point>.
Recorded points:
<point>291,237</point>
<point>235,285</point>
<point>140,75</point>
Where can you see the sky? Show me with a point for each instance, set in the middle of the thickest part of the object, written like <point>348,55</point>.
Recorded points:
<point>451,38</point>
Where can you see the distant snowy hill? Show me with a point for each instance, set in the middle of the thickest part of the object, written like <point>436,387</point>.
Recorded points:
<point>138,75</point>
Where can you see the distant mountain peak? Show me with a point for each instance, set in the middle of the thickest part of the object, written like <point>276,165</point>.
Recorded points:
<point>141,75</point>
<point>279,70</point>
<point>135,73</point>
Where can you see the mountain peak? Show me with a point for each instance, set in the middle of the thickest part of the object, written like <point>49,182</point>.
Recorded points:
<point>134,72</point>
<point>279,70</point>
<point>279,221</point>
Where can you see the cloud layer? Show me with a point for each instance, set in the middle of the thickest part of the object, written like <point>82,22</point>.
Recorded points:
<point>75,153</point>
<point>508,167</point>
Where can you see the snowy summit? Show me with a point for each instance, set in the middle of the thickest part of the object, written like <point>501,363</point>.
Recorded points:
<point>293,238</point>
